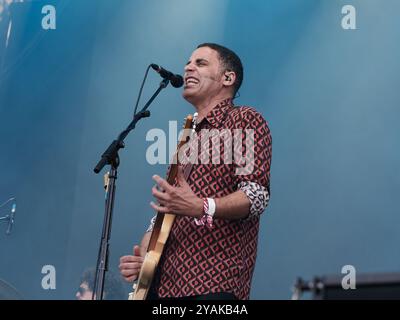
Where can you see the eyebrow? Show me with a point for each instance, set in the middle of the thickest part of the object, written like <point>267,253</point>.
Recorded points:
<point>199,60</point>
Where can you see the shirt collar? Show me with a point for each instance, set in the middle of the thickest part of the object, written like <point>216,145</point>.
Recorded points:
<point>216,116</point>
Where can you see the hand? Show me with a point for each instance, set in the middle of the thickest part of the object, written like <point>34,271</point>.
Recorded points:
<point>130,265</point>
<point>179,200</point>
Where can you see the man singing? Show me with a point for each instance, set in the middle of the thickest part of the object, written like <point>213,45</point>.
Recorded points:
<point>211,250</point>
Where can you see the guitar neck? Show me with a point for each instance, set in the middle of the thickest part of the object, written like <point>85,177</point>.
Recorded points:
<point>171,176</point>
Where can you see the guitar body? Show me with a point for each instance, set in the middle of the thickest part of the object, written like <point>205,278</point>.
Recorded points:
<point>161,231</point>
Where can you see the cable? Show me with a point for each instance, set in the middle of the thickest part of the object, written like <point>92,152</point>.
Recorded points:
<point>3,204</point>
<point>141,88</point>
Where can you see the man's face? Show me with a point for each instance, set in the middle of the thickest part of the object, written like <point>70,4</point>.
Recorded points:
<point>203,76</point>
<point>84,293</point>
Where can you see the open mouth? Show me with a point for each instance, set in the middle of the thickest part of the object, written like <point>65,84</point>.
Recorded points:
<point>189,81</point>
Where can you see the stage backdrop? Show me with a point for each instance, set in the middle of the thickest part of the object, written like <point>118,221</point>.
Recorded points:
<point>330,94</point>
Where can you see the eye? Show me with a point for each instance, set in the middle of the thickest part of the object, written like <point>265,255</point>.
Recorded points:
<point>201,63</point>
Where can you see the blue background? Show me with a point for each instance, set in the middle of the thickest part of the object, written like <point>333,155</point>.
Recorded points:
<point>331,98</point>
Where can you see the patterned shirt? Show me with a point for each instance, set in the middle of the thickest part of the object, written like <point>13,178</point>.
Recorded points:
<point>199,260</point>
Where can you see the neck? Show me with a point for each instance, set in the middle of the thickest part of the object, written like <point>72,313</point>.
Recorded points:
<point>206,106</point>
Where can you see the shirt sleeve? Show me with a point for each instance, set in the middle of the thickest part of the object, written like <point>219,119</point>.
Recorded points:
<point>252,161</point>
<point>257,195</point>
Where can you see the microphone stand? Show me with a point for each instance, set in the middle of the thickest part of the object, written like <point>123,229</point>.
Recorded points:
<point>6,218</point>
<point>111,157</point>
<point>9,217</point>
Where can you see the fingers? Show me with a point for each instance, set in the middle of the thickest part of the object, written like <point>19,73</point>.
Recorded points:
<point>161,196</point>
<point>162,183</point>
<point>130,266</point>
<point>136,251</point>
<point>131,279</point>
<point>130,259</point>
<point>130,275</point>
<point>159,208</point>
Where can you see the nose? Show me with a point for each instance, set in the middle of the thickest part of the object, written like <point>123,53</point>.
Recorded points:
<point>189,67</point>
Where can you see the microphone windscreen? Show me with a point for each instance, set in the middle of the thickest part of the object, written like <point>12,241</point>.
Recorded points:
<point>177,81</point>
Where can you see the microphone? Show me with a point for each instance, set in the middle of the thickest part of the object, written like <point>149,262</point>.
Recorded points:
<point>11,218</point>
<point>176,79</point>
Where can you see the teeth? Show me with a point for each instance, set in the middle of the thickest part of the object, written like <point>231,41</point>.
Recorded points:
<point>191,80</point>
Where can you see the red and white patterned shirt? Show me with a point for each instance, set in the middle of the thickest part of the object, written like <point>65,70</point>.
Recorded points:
<point>198,260</point>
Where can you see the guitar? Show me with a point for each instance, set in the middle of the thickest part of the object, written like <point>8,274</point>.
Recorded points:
<point>162,225</point>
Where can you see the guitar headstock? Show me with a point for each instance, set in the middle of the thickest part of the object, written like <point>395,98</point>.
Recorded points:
<point>188,129</point>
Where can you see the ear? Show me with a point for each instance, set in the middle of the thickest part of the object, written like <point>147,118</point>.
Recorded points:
<point>229,78</point>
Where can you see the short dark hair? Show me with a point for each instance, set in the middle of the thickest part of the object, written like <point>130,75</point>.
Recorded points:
<point>113,286</point>
<point>230,61</point>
